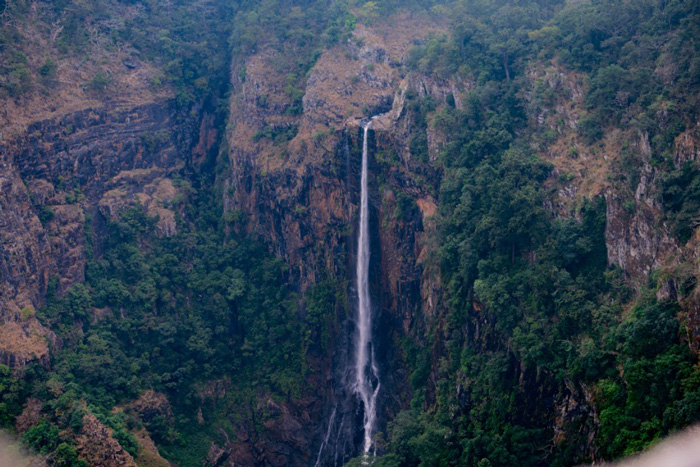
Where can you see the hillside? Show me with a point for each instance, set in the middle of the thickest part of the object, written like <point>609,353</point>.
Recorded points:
<point>180,230</point>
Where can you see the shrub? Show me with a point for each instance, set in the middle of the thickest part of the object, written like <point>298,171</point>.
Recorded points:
<point>100,81</point>
<point>27,313</point>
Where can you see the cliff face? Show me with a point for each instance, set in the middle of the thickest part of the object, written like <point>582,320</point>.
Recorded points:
<point>637,234</point>
<point>97,446</point>
<point>291,178</point>
<point>294,181</point>
<point>299,192</point>
<point>67,173</point>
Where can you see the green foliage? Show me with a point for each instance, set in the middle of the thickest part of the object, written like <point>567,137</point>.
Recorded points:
<point>533,308</point>
<point>591,129</point>
<point>118,423</point>
<point>321,303</point>
<point>170,314</point>
<point>66,455</point>
<point>26,313</point>
<point>62,313</point>
<point>184,39</point>
<point>278,135</point>
<point>48,69</point>
<point>100,81</point>
<point>15,77</point>
<point>621,55</point>
<point>13,392</point>
<point>46,214</point>
<point>369,12</point>
<point>47,72</point>
<point>43,438</point>
<point>405,206</point>
<point>659,392</point>
<point>681,199</point>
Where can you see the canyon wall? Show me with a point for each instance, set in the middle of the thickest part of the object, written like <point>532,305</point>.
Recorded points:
<point>68,174</point>
<point>291,179</point>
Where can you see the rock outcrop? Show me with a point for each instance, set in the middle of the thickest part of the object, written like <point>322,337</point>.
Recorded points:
<point>299,192</point>
<point>82,167</point>
<point>96,446</point>
<point>636,236</point>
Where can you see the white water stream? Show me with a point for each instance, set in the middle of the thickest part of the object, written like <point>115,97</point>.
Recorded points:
<point>365,368</point>
<point>366,381</point>
<point>327,438</point>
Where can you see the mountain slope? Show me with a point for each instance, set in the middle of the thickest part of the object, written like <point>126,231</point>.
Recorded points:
<point>180,203</point>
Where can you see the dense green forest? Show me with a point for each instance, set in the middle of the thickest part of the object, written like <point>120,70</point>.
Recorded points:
<point>533,309</point>
<point>194,308</point>
<point>183,311</point>
<point>566,315</point>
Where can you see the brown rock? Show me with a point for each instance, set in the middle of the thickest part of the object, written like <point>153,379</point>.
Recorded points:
<point>22,342</point>
<point>152,404</point>
<point>148,455</point>
<point>98,160</point>
<point>97,447</point>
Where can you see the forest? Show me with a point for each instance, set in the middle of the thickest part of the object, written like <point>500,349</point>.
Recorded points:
<point>533,308</point>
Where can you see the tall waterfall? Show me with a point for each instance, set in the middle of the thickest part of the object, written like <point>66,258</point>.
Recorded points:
<point>366,373</point>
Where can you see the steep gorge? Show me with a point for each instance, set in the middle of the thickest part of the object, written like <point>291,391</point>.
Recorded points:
<point>286,169</point>
<point>302,197</point>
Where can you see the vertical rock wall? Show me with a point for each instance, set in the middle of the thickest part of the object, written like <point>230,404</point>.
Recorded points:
<point>82,167</point>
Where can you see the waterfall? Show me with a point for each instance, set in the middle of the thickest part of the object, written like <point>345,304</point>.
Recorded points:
<point>367,382</point>
<point>358,377</point>
<point>327,438</point>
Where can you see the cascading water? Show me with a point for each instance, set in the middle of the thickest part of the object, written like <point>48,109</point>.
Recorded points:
<point>319,459</point>
<point>357,379</point>
<point>367,382</point>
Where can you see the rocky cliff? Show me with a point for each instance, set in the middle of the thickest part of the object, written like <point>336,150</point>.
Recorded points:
<point>67,174</point>
<point>294,181</point>
<point>624,170</point>
<point>288,174</point>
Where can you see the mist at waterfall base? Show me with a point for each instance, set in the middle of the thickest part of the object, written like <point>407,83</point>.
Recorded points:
<point>13,455</point>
